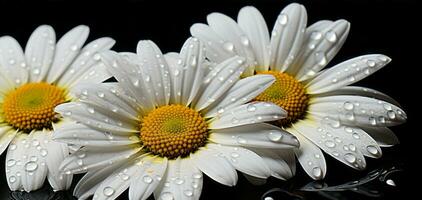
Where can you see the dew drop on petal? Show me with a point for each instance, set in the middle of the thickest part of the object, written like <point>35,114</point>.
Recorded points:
<point>283,19</point>
<point>147,179</point>
<point>108,191</point>
<point>331,36</point>
<point>372,150</point>
<point>275,136</point>
<point>350,158</point>
<point>330,144</point>
<point>31,166</point>
<point>390,182</point>
<point>317,172</point>
<point>167,196</point>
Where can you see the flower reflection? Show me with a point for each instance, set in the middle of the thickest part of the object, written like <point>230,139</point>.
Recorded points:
<point>45,193</point>
<point>371,185</point>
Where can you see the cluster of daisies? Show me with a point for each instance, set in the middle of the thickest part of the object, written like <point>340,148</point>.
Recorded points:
<point>235,98</point>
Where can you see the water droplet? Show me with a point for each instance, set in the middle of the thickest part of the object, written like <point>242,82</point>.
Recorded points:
<point>390,182</point>
<point>228,46</point>
<point>330,143</point>
<point>31,166</point>
<point>36,71</point>
<point>370,63</point>
<point>316,35</point>
<point>268,198</point>
<point>235,155</point>
<point>331,36</point>
<point>12,147</point>
<point>275,136</point>
<point>167,196</point>
<point>147,78</point>
<point>251,108</point>
<point>244,40</point>
<point>67,113</point>
<point>101,94</point>
<point>12,179</point>
<point>11,162</point>
<point>90,110</point>
<point>283,19</point>
<point>197,175</point>
<point>108,191</point>
<point>356,135</point>
<point>74,47</point>
<point>352,147</point>
<point>235,120</point>
<point>349,157</point>
<point>372,121</point>
<point>97,57</point>
<point>12,61</point>
<point>372,150</point>
<point>391,114</point>
<point>381,119</point>
<point>241,140</point>
<point>43,152</point>
<point>35,143</point>
<point>147,179</point>
<point>188,193</point>
<point>348,106</point>
<point>179,181</point>
<point>317,172</point>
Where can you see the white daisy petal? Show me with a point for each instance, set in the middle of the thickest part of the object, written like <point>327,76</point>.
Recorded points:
<point>87,59</point>
<point>244,160</point>
<point>242,92</point>
<point>92,180</point>
<point>217,50</point>
<point>192,56</point>
<point>131,78</point>
<point>258,135</point>
<point>279,167</point>
<point>53,154</point>
<point>7,133</point>
<point>310,157</point>
<point>96,117</point>
<point>322,46</point>
<point>357,110</point>
<point>107,95</point>
<point>383,135</point>
<point>39,52</point>
<point>15,163</point>
<point>67,48</point>
<point>156,70</point>
<point>250,113</point>
<point>80,134</point>
<point>340,148</point>
<point>33,163</point>
<point>253,24</point>
<point>151,172</point>
<point>238,42</point>
<point>347,73</point>
<point>287,36</point>
<point>96,157</point>
<point>183,181</point>
<point>360,91</point>
<point>12,61</point>
<point>219,80</point>
<point>215,166</point>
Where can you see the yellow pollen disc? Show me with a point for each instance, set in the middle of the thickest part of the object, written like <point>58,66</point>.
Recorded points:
<point>173,130</point>
<point>31,106</point>
<point>287,93</point>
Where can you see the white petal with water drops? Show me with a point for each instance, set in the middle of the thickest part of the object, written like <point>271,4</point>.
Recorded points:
<point>39,52</point>
<point>242,92</point>
<point>279,166</point>
<point>244,160</point>
<point>12,62</point>
<point>243,114</point>
<point>67,48</point>
<point>219,80</point>
<point>7,133</point>
<point>310,157</point>
<point>259,135</point>
<point>287,36</point>
<point>253,24</point>
<point>347,73</point>
<point>325,47</point>
<point>365,111</point>
<point>217,167</point>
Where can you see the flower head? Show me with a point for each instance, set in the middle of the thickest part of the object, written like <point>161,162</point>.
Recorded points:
<point>324,113</point>
<point>169,119</point>
<point>32,83</point>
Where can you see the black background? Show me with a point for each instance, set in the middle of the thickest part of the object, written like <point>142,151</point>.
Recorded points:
<point>389,27</point>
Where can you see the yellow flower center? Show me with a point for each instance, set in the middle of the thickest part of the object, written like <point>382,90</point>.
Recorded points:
<point>31,106</point>
<point>287,93</point>
<point>173,130</point>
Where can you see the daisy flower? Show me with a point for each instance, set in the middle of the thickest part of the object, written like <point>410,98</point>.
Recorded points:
<point>32,83</point>
<point>324,113</point>
<point>167,121</point>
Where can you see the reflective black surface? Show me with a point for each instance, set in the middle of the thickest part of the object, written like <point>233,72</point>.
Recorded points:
<point>377,26</point>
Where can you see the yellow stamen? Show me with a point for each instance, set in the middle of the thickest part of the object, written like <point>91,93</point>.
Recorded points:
<point>173,130</point>
<point>287,93</point>
<point>31,106</point>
